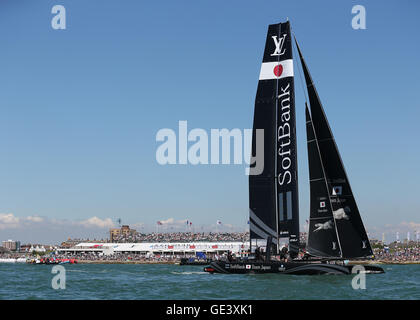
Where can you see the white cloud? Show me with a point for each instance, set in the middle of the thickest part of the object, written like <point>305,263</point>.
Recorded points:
<point>34,219</point>
<point>8,221</point>
<point>96,222</point>
<point>34,228</point>
<point>168,221</point>
<point>411,225</point>
<point>137,225</point>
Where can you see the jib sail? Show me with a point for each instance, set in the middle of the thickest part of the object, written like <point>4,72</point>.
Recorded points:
<point>351,234</point>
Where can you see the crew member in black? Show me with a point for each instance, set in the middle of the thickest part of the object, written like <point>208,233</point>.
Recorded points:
<point>284,253</point>
<point>229,256</point>
<point>305,255</point>
<point>258,256</point>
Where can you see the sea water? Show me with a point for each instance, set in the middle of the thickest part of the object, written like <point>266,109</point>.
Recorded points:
<point>142,281</point>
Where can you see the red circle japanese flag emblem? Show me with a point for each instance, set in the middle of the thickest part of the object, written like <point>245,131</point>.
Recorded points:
<point>278,70</point>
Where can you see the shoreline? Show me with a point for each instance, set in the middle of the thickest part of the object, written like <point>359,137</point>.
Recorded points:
<point>177,262</point>
<point>382,262</point>
<point>124,262</point>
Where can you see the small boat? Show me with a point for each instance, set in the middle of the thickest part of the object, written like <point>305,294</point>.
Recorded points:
<point>194,262</point>
<point>51,260</point>
<point>67,261</point>
<point>336,231</point>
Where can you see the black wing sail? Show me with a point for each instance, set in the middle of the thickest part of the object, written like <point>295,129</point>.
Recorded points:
<point>262,192</point>
<point>273,198</point>
<point>287,177</point>
<point>351,232</point>
<point>322,235</point>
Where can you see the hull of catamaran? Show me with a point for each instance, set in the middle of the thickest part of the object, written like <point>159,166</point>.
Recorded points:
<point>294,268</point>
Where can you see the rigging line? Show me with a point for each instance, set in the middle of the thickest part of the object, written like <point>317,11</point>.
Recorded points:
<point>300,72</point>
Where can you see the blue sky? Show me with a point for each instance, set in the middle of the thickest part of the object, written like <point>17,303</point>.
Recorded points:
<point>80,109</point>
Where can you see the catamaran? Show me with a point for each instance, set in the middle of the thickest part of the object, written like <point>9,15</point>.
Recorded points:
<point>336,231</point>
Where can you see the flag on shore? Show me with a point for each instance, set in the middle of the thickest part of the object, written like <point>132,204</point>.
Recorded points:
<point>219,222</point>
<point>159,223</point>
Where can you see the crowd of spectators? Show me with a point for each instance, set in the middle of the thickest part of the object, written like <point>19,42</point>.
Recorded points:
<point>12,255</point>
<point>122,257</point>
<point>398,254</point>
<point>173,237</point>
<point>183,237</point>
<point>383,254</point>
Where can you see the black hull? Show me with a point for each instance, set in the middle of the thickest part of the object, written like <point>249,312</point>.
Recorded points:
<point>295,268</point>
<point>201,263</point>
<point>186,262</point>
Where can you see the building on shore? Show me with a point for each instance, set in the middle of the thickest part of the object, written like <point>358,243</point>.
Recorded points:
<point>11,245</point>
<point>25,247</point>
<point>3,250</point>
<point>124,231</point>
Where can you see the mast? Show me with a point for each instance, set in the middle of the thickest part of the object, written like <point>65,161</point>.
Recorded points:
<point>350,230</point>
<point>273,197</point>
<point>276,108</point>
